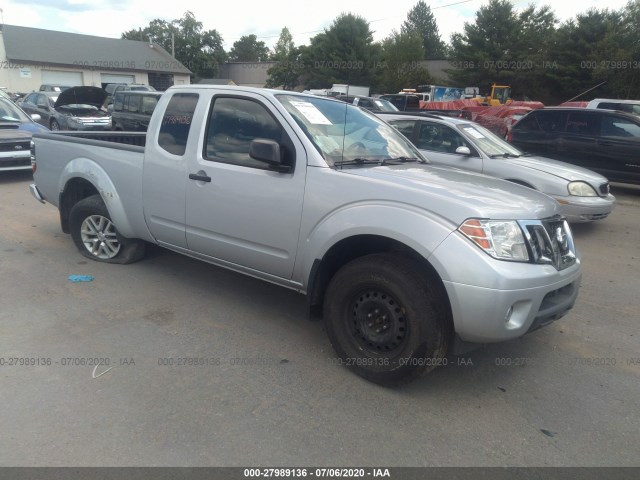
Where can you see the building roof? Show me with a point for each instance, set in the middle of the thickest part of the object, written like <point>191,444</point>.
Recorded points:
<point>35,46</point>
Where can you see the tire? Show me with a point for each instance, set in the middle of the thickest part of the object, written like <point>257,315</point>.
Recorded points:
<point>96,236</point>
<point>55,126</point>
<point>386,319</point>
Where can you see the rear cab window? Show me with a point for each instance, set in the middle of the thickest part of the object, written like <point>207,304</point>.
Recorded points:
<point>176,123</point>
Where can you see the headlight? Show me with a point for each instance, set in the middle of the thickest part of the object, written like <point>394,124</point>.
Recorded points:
<point>502,239</point>
<point>581,189</point>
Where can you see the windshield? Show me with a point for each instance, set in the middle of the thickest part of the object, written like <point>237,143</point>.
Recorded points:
<point>344,133</point>
<point>488,142</point>
<point>10,112</point>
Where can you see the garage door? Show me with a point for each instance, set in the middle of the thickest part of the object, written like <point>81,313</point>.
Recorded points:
<point>56,77</point>
<point>110,78</point>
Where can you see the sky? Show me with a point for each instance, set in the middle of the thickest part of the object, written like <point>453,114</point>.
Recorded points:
<point>265,19</point>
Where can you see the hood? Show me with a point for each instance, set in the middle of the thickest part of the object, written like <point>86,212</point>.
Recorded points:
<point>559,169</point>
<point>459,194</point>
<point>81,95</point>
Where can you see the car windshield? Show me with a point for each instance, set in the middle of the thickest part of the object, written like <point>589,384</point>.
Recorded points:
<point>343,133</point>
<point>488,142</point>
<point>10,112</point>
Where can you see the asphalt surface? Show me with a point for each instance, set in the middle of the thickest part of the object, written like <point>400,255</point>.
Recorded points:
<point>270,392</point>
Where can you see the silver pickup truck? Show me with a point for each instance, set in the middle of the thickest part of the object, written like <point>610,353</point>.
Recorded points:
<point>406,261</point>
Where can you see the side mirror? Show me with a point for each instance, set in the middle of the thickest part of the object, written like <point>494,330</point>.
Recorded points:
<point>36,117</point>
<point>463,151</point>
<point>268,151</point>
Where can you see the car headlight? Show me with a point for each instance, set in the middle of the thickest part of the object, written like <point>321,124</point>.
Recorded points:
<point>502,239</point>
<point>581,189</point>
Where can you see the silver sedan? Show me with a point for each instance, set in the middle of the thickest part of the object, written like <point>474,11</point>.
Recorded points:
<point>583,195</point>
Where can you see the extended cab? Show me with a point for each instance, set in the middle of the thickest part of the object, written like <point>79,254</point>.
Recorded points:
<point>406,261</point>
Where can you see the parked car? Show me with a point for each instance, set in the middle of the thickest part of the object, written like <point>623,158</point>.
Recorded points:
<point>583,195</point>
<point>54,88</point>
<point>16,128</point>
<point>403,102</point>
<point>132,110</point>
<point>605,141</point>
<point>370,103</point>
<point>629,106</point>
<point>113,88</point>
<point>405,260</point>
<point>77,108</point>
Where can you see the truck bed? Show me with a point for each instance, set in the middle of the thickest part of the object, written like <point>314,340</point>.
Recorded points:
<point>137,139</point>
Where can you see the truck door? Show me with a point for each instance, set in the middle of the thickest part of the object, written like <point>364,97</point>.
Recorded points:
<point>165,172</point>
<point>238,210</point>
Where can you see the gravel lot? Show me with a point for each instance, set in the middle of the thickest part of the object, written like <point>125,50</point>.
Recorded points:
<point>566,395</point>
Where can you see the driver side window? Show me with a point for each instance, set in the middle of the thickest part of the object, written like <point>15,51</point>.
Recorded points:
<point>233,124</point>
<point>440,138</point>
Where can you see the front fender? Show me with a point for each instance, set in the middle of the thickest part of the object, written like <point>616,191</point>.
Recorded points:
<point>416,228</point>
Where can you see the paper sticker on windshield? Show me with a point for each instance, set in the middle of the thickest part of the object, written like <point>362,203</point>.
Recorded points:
<point>378,103</point>
<point>311,113</point>
<point>473,132</point>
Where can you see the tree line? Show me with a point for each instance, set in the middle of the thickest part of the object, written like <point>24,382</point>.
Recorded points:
<point>530,49</point>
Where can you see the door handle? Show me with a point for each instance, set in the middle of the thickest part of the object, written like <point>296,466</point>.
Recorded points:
<point>199,178</point>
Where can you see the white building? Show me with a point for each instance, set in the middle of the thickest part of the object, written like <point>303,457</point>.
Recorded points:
<point>30,57</point>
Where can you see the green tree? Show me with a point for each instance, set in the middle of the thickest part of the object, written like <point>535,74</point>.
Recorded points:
<point>578,51</point>
<point>199,50</point>
<point>420,21</point>
<point>532,46</point>
<point>344,53</point>
<point>402,54</point>
<point>249,49</point>
<point>485,50</point>
<point>285,73</point>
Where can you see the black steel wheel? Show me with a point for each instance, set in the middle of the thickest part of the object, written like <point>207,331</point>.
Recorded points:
<point>386,318</point>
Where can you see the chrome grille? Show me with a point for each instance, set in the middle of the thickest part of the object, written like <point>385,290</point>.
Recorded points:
<point>14,146</point>
<point>550,242</point>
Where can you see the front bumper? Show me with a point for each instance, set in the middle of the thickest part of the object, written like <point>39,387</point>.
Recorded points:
<point>484,315</point>
<point>19,161</point>
<point>90,127</point>
<point>586,209</point>
<point>493,300</point>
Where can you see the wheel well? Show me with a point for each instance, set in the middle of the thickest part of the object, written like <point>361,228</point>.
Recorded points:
<point>351,248</point>
<point>75,190</point>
